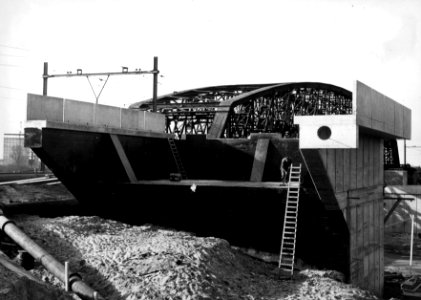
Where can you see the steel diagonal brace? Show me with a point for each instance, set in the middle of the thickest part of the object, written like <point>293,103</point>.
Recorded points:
<point>123,158</point>
<point>395,205</point>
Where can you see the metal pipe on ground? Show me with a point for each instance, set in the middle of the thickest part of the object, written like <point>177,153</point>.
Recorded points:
<point>48,261</point>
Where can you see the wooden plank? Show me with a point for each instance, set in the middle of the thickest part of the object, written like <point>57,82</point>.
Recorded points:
<point>371,265</point>
<point>371,160</point>
<point>366,162</point>
<point>376,162</point>
<point>360,243</point>
<point>259,160</point>
<point>366,239</point>
<point>360,163</point>
<point>355,197</point>
<point>339,170</point>
<point>376,245</point>
<point>123,158</point>
<point>353,169</point>
<point>352,223</point>
<point>381,244</point>
<point>347,169</point>
<point>381,161</point>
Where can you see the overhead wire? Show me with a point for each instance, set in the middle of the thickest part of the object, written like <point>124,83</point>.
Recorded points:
<point>9,65</point>
<point>13,47</point>
<point>11,88</point>
<point>11,55</point>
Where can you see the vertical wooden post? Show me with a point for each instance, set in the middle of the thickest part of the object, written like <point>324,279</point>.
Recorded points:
<point>66,276</point>
<point>45,79</point>
<point>155,82</point>
<point>412,241</point>
<point>44,93</point>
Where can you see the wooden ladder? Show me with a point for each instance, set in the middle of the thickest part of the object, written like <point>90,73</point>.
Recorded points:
<point>177,158</point>
<point>289,232</point>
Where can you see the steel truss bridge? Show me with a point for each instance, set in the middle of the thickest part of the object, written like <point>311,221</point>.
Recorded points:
<point>236,111</point>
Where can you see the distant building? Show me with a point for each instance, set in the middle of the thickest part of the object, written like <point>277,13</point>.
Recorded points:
<point>14,152</point>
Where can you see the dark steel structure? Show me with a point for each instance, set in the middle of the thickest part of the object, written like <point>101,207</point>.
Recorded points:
<point>236,111</point>
<point>252,108</point>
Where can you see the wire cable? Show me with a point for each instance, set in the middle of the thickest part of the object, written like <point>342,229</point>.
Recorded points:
<point>13,47</point>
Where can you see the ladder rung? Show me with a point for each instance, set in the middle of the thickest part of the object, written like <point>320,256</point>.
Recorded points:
<point>290,227</point>
<point>287,259</point>
<point>287,249</point>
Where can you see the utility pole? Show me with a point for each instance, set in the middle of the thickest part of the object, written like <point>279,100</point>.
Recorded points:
<point>155,83</point>
<point>44,93</point>
<point>124,71</point>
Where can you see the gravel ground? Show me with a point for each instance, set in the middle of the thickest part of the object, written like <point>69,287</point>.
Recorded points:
<point>148,262</point>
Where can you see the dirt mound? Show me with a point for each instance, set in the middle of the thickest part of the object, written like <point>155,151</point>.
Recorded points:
<point>149,262</point>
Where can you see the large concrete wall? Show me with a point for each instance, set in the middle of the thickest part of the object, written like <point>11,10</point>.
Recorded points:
<point>378,112</point>
<point>90,114</point>
<point>357,178</point>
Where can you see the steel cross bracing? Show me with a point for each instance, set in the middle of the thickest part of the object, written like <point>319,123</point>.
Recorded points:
<point>391,154</point>
<point>193,111</point>
<point>254,108</point>
<point>275,112</point>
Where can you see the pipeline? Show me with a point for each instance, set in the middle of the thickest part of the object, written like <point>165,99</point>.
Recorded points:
<point>76,284</point>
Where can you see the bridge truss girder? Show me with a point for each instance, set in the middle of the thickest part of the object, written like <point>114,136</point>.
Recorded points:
<point>236,111</point>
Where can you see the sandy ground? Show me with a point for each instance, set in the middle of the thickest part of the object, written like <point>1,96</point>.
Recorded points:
<point>129,262</point>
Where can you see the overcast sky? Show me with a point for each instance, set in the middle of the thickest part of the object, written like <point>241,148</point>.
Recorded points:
<point>201,43</point>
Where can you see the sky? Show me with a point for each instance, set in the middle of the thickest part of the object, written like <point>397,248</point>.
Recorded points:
<point>204,43</point>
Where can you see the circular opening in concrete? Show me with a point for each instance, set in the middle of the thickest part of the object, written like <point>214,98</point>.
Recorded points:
<point>324,132</point>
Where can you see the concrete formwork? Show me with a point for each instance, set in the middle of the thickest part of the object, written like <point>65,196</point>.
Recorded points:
<point>356,176</point>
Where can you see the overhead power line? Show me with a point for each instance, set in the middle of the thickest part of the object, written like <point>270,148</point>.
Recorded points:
<point>11,88</point>
<point>8,65</point>
<point>11,55</point>
<point>13,47</point>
